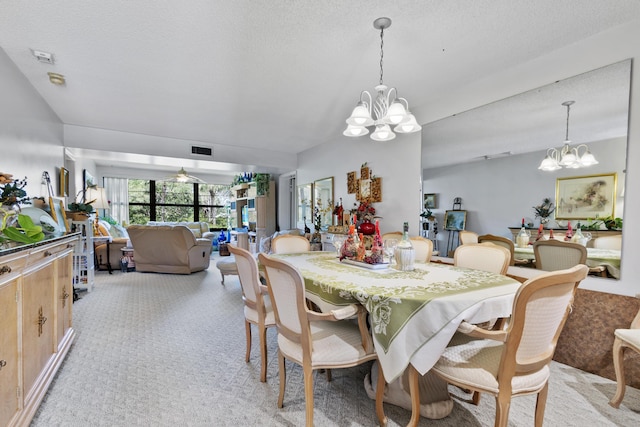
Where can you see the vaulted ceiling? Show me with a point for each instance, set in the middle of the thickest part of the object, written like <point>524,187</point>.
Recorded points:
<point>262,80</point>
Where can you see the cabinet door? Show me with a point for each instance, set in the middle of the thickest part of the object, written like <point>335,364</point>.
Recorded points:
<point>64,295</point>
<point>8,351</point>
<point>38,343</point>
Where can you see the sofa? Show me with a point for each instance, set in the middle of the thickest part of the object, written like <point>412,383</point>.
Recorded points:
<point>199,229</point>
<point>168,249</point>
<point>118,240</point>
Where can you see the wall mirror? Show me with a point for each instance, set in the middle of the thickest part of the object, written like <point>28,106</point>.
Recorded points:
<point>489,156</point>
<point>304,206</point>
<point>323,200</point>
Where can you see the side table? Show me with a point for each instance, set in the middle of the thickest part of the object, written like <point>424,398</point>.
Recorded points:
<point>97,241</point>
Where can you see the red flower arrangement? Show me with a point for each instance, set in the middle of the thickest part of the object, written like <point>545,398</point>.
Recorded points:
<point>364,211</point>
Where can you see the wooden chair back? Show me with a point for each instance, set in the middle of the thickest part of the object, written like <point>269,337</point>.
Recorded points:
<point>290,244</point>
<point>467,237</point>
<point>500,241</point>
<point>482,256</point>
<point>552,255</point>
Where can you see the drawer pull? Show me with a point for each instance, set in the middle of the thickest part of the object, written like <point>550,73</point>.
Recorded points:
<point>3,363</point>
<point>41,321</point>
<point>47,253</point>
<point>5,269</point>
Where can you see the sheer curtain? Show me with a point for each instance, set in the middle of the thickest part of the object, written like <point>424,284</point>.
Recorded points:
<point>117,190</point>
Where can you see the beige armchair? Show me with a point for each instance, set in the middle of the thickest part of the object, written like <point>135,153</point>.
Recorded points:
<point>310,339</point>
<point>514,362</point>
<point>168,249</point>
<point>625,338</point>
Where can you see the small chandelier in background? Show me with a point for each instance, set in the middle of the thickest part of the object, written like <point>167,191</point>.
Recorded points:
<point>183,177</point>
<point>568,157</point>
<point>388,108</point>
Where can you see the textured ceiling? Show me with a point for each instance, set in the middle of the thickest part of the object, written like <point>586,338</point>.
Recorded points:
<point>278,76</point>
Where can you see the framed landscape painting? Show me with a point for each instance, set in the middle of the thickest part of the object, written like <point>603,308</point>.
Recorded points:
<point>430,201</point>
<point>455,220</point>
<point>583,197</point>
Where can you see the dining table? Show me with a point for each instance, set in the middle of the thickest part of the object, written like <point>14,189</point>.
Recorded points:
<point>413,314</point>
<point>609,258</point>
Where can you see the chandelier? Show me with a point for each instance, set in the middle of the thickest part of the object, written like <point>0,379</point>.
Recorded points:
<point>567,157</point>
<point>387,110</point>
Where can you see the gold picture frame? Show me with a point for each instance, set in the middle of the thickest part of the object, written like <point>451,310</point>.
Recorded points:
<point>430,201</point>
<point>584,197</point>
<point>63,191</point>
<point>455,220</point>
<point>352,183</point>
<point>58,213</point>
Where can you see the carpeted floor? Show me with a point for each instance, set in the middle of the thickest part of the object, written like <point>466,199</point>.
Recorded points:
<point>168,350</point>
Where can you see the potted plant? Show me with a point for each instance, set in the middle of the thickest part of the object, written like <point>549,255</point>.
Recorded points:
<point>262,183</point>
<point>80,211</point>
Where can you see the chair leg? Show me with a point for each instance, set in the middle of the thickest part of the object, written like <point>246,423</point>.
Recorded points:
<point>414,390</point>
<point>503,402</point>
<point>308,393</point>
<point>382,418</point>
<point>618,364</point>
<point>222,274</point>
<point>541,402</point>
<point>476,398</point>
<point>283,378</point>
<point>329,375</point>
<point>247,328</point>
<point>263,353</point>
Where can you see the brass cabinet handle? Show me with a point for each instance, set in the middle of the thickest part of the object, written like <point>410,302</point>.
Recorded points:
<point>41,321</point>
<point>5,269</point>
<point>47,253</point>
<point>65,295</point>
<point>3,363</point>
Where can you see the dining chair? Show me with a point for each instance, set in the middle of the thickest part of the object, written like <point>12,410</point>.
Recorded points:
<point>552,255</point>
<point>514,361</point>
<point>500,241</point>
<point>423,248</point>
<point>482,256</point>
<point>311,339</point>
<point>467,237</point>
<point>392,235</point>
<point>290,244</point>
<point>257,304</point>
<point>608,242</point>
<point>625,338</point>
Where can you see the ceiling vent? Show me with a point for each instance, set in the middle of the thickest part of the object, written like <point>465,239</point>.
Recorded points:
<point>44,57</point>
<point>201,151</point>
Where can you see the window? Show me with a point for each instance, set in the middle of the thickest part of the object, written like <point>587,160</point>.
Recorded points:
<point>175,201</point>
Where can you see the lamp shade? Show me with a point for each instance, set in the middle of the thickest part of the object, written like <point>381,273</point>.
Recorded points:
<point>352,131</point>
<point>360,116</point>
<point>98,194</point>
<point>409,126</point>
<point>383,133</point>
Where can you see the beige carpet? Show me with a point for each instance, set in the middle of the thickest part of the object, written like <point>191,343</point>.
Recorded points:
<point>168,350</point>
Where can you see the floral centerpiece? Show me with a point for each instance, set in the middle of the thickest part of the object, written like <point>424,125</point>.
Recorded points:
<point>544,210</point>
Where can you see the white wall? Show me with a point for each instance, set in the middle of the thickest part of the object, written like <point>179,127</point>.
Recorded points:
<point>397,162</point>
<point>30,132</point>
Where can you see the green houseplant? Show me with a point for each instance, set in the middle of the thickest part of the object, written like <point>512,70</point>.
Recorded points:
<point>262,183</point>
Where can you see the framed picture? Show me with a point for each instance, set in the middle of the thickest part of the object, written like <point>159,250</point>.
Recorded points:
<point>63,191</point>
<point>88,181</point>
<point>58,214</point>
<point>376,190</point>
<point>365,190</point>
<point>583,197</point>
<point>352,183</point>
<point>455,220</point>
<point>430,201</point>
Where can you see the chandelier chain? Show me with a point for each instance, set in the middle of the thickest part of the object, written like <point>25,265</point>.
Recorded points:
<point>381,53</point>
<point>566,138</point>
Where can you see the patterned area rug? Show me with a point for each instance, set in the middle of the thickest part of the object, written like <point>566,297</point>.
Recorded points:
<point>168,350</point>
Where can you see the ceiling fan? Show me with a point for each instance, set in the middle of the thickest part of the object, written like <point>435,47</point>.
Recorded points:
<point>183,177</point>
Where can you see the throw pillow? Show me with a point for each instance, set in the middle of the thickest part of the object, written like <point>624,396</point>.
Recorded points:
<point>265,245</point>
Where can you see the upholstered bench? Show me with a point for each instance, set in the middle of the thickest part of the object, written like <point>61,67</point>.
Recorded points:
<point>227,266</point>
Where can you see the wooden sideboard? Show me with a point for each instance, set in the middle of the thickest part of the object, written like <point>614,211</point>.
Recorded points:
<point>36,296</point>
<point>558,232</point>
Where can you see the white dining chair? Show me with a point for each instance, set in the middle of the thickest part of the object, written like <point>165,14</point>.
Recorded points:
<point>423,248</point>
<point>515,361</point>
<point>257,304</point>
<point>624,339</point>
<point>290,244</point>
<point>482,256</point>
<point>310,339</point>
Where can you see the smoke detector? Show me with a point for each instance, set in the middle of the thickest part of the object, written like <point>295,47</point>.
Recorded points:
<point>44,57</point>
